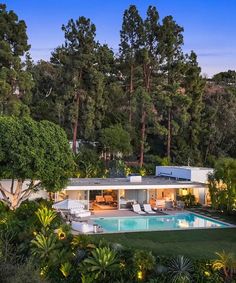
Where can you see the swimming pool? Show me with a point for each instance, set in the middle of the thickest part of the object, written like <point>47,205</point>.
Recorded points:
<point>157,223</point>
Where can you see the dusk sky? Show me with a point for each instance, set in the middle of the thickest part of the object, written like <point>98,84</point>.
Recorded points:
<point>210,25</point>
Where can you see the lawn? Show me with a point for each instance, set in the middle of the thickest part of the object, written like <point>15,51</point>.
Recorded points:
<point>193,243</point>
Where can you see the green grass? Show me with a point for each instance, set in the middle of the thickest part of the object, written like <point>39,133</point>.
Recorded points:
<point>196,244</point>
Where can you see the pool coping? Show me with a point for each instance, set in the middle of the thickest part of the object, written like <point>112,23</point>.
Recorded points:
<point>171,229</point>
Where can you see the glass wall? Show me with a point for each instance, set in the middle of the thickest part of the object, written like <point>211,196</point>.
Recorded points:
<point>129,197</point>
<point>103,199</point>
<point>81,195</point>
<point>163,194</point>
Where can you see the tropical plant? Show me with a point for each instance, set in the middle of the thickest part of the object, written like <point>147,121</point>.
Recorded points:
<point>45,216</point>
<point>88,278</point>
<point>42,246</point>
<point>102,262</point>
<point>82,242</point>
<point>66,269</point>
<point>180,269</point>
<point>143,261</point>
<point>225,262</point>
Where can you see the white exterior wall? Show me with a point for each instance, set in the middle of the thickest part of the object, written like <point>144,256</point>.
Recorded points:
<point>201,176</point>
<point>194,174</point>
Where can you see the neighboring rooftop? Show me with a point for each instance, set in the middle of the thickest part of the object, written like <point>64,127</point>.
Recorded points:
<point>187,167</point>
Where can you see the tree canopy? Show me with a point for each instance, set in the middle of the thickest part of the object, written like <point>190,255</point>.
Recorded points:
<point>36,153</point>
<point>151,88</point>
<point>15,82</point>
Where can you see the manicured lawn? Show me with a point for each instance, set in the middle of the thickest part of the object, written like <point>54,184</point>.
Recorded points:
<point>194,243</point>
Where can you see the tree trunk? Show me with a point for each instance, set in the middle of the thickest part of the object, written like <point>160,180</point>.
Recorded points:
<point>131,90</point>
<point>75,128</point>
<point>143,128</point>
<point>169,134</point>
<point>147,82</point>
<point>13,197</point>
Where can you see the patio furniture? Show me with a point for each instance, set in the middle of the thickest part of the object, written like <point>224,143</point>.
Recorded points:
<point>147,208</point>
<point>152,202</point>
<point>169,205</point>
<point>80,212</point>
<point>137,209</point>
<point>108,199</point>
<point>100,199</point>
<point>160,204</point>
<point>180,204</point>
<point>82,227</point>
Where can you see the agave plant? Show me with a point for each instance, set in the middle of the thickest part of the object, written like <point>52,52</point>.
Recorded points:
<point>45,216</point>
<point>225,262</point>
<point>180,269</point>
<point>43,245</point>
<point>102,262</point>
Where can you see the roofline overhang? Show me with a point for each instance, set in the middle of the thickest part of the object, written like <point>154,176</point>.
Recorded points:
<point>135,187</point>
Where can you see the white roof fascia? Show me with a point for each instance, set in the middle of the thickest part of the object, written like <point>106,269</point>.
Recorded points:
<point>134,187</point>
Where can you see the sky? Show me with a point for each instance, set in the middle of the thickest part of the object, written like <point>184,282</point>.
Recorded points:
<point>209,25</point>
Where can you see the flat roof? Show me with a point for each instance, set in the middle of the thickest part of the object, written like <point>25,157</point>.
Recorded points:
<point>121,183</point>
<point>186,167</point>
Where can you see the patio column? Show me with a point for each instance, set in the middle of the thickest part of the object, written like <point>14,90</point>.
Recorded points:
<point>118,199</point>
<point>88,198</point>
<point>148,195</point>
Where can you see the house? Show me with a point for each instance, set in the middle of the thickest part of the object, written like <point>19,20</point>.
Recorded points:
<point>168,183</point>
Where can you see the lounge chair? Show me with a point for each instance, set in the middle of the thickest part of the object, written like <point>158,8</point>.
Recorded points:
<point>160,204</point>
<point>147,208</point>
<point>78,212</point>
<point>137,209</point>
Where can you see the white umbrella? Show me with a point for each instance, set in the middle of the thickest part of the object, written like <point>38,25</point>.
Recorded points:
<point>68,204</point>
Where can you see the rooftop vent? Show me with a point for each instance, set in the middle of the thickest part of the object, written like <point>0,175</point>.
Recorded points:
<point>135,179</point>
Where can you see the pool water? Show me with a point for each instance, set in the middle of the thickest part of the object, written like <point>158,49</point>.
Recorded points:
<point>160,223</point>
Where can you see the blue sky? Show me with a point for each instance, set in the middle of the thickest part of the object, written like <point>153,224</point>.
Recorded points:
<point>210,25</point>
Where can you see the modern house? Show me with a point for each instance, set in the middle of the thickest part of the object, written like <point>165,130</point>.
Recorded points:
<point>120,193</point>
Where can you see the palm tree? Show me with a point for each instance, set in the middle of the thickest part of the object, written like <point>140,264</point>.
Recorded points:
<point>180,269</point>
<point>102,262</point>
<point>225,262</point>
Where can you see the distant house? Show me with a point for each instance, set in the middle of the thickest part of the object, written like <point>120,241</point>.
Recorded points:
<point>81,142</point>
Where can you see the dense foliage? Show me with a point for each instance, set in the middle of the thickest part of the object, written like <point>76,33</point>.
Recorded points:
<point>151,89</point>
<point>33,155</point>
<point>222,185</point>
